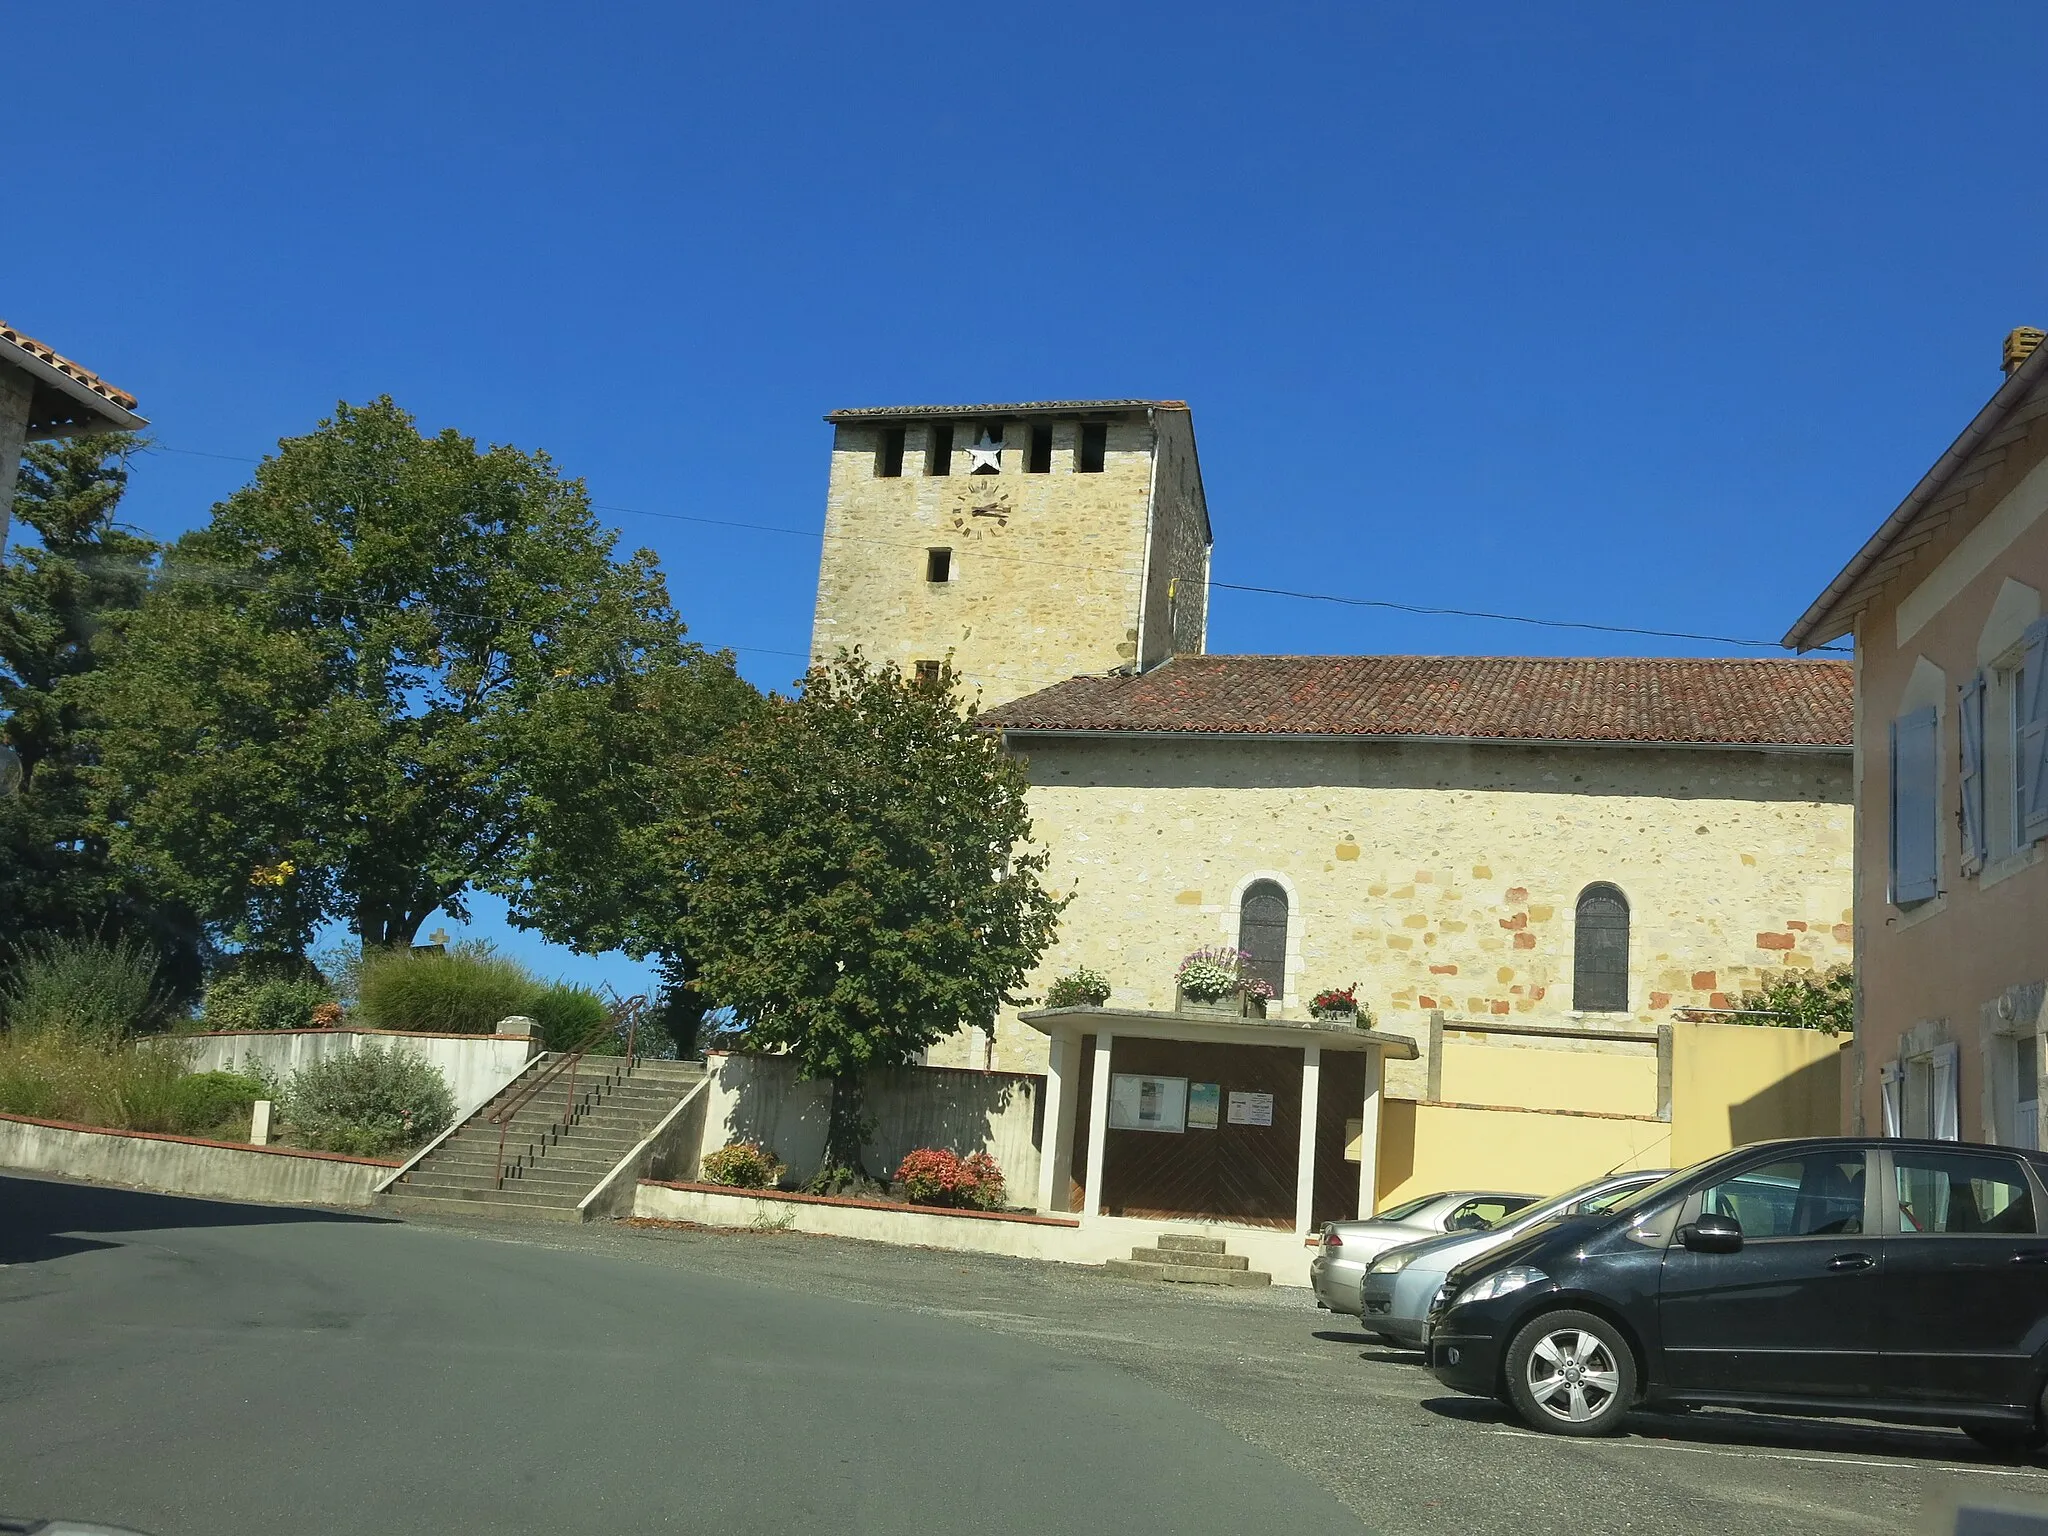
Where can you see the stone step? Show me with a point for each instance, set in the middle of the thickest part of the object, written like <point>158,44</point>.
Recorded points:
<point>511,1194</point>
<point>1185,1274</point>
<point>558,1190</point>
<point>431,1206</point>
<point>1190,1260</point>
<point>1181,1243</point>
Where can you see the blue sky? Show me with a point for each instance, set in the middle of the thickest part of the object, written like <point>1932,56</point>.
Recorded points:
<point>1638,315</point>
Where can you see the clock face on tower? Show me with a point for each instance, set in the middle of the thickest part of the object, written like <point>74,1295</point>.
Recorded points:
<point>984,517</point>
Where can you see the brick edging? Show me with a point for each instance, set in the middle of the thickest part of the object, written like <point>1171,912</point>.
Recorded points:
<point>1524,1109</point>
<point>1029,1218</point>
<point>200,1141</point>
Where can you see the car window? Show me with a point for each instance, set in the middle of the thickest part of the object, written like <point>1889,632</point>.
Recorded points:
<point>1961,1192</point>
<point>1489,1209</point>
<point>1607,1200</point>
<point>1819,1194</point>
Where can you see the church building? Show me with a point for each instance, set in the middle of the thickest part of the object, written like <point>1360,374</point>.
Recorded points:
<point>1530,868</point>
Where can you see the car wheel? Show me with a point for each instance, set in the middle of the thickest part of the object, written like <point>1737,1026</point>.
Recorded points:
<point>1571,1373</point>
<point>2007,1439</point>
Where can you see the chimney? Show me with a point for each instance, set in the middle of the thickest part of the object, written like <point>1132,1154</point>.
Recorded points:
<point>2019,346</point>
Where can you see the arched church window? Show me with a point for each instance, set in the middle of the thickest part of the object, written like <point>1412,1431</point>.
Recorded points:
<point>1600,953</point>
<point>1262,934</point>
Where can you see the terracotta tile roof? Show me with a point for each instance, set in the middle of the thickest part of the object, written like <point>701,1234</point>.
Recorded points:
<point>65,366</point>
<point>1763,702</point>
<point>1017,408</point>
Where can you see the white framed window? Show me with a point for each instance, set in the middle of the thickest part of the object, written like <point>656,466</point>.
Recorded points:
<point>1921,1096</point>
<point>2030,735</point>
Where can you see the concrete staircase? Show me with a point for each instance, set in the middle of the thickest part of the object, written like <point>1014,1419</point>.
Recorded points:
<point>1188,1261</point>
<point>548,1172</point>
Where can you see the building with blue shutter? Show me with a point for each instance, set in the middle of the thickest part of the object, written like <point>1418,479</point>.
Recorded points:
<point>1945,603</point>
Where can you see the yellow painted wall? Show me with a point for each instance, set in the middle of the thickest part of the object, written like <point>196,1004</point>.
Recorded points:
<point>1732,1084</point>
<point>1610,1077</point>
<point>1428,1147</point>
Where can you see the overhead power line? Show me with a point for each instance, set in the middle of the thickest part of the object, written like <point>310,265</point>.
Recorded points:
<point>1340,599</point>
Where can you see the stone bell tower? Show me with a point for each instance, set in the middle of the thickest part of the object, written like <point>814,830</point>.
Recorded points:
<point>1030,543</point>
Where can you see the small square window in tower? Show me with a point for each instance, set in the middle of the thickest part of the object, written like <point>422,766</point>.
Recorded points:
<point>889,454</point>
<point>1093,448</point>
<point>1039,460</point>
<point>938,453</point>
<point>928,674</point>
<point>938,565</point>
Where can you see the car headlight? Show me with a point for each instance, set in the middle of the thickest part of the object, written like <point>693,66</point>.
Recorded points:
<point>1502,1282</point>
<point>1391,1263</point>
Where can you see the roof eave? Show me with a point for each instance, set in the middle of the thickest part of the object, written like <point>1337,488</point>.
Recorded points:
<point>857,414</point>
<point>1821,623</point>
<point>1821,748</point>
<point>102,414</point>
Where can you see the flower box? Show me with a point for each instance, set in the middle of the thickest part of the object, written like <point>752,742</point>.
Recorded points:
<point>1238,1005</point>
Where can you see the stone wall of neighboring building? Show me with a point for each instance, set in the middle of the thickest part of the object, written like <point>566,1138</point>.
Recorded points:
<point>1047,570</point>
<point>1176,618</point>
<point>1438,876</point>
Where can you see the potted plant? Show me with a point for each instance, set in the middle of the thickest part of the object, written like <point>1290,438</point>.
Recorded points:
<point>1079,988</point>
<point>1212,980</point>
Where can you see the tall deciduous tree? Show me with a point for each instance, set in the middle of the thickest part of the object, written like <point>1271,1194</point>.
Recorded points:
<point>341,694</point>
<point>63,601</point>
<point>861,880</point>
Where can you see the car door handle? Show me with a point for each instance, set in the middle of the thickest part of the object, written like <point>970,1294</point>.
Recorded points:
<point>1849,1261</point>
<point>2031,1256</point>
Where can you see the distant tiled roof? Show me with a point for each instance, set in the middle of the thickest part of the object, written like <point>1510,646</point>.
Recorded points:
<point>1770,702</point>
<point>1019,408</point>
<point>65,366</point>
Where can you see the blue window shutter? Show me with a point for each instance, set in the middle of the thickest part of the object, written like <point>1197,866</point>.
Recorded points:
<point>1970,719</point>
<point>1915,831</point>
<point>2031,741</point>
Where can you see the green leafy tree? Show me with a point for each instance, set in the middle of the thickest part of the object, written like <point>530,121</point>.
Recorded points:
<point>1803,1000</point>
<point>345,697</point>
<point>861,881</point>
<point>64,599</point>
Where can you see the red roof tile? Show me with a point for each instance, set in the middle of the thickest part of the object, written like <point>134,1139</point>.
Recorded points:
<point>1762,702</point>
<point>65,366</point>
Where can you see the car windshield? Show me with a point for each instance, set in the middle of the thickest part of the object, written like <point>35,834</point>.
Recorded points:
<point>1637,1199</point>
<point>1406,1209</point>
<point>1569,1198</point>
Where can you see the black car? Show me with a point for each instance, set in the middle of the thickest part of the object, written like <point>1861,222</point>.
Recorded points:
<point>1879,1279</point>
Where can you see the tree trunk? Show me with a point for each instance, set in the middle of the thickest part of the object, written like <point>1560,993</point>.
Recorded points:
<point>842,1171</point>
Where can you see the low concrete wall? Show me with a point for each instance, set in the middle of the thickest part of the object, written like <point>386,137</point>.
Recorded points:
<point>669,1151</point>
<point>185,1165</point>
<point>1428,1147</point>
<point>476,1067</point>
<point>761,1098</point>
<point>1063,1240</point>
<point>1732,1084</point>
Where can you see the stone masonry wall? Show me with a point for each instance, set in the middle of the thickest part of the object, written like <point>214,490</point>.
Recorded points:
<point>1438,876</point>
<point>1046,569</point>
<point>1176,616</point>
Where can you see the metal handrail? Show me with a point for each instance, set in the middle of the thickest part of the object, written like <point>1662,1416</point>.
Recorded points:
<point>624,1012</point>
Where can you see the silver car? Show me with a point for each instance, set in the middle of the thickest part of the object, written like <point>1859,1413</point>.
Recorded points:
<point>1345,1248</point>
<point>1400,1283</point>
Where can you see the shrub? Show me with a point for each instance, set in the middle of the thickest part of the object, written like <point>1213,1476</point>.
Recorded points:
<point>567,1015</point>
<point>744,1165</point>
<point>57,1076</point>
<point>936,1176</point>
<point>93,990</point>
<point>252,1000</point>
<point>1080,988</point>
<point>368,1101</point>
<point>206,1101</point>
<point>464,992</point>
<point>1800,1000</point>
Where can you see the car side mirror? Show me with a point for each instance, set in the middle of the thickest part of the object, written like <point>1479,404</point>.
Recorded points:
<point>1712,1234</point>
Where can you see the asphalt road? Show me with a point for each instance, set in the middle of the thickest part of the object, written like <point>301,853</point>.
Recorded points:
<point>190,1366</point>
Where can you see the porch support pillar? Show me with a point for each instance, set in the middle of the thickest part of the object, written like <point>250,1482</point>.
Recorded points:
<point>1056,1140</point>
<point>1305,1155</point>
<point>1098,1124</point>
<point>1369,1135</point>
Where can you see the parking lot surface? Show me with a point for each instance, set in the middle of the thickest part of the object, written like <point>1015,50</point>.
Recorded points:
<point>193,1366</point>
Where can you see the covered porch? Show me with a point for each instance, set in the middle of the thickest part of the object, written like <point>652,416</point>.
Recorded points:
<point>1256,1123</point>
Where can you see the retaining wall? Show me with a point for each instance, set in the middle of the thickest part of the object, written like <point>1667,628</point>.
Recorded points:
<point>476,1067</point>
<point>186,1165</point>
<point>761,1098</point>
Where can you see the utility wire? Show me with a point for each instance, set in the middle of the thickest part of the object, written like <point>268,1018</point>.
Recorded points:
<point>1384,604</point>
